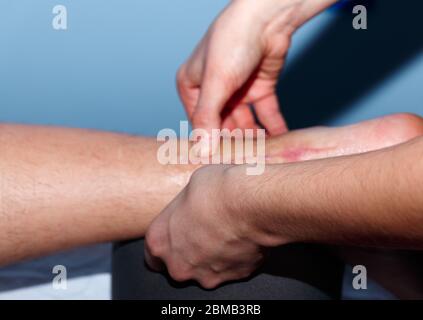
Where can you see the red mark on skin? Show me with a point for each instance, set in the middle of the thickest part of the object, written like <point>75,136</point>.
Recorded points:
<point>294,154</point>
<point>302,153</point>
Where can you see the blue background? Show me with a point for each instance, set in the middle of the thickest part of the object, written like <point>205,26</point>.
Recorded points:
<point>114,68</point>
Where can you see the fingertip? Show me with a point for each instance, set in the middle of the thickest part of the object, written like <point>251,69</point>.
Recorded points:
<point>206,118</point>
<point>277,129</point>
<point>229,123</point>
<point>243,117</point>
<point>270,116</point>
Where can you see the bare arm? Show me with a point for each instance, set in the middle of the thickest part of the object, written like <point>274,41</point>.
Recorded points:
<point>373,199</point>
<point>62,188</point>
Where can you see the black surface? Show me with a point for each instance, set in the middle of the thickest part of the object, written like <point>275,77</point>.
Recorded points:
<point>290,272</point>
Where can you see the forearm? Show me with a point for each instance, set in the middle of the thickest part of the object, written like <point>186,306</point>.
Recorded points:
<point>62,188</point>
<point>372,199</point>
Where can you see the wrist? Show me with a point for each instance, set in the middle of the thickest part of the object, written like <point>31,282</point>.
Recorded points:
<point>250,208</point>
<point>284,16</point>
<point>272,15</point>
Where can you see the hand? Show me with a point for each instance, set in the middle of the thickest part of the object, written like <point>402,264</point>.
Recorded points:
<point>237,64</point>
<point>201,234</point>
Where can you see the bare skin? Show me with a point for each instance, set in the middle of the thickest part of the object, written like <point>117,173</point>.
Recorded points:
<point>370,199</point>
<point>62,188</point>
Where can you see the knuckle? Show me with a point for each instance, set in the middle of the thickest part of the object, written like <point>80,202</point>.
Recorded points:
<point>224,75</point>
<point>155,251</point>
<point>210,282</point>
<point>181,74</point>
<point>217,268</point>
<point>153,244</point>
<point>179,275</point>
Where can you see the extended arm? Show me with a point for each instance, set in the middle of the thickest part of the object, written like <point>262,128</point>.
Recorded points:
<point>373,199</point>
<point>61,188</point>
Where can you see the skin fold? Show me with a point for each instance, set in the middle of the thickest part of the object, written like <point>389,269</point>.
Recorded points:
<point>62,188</point>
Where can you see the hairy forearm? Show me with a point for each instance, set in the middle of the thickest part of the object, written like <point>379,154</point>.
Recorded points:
<point>62,188</point>
<point>372,199</point>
